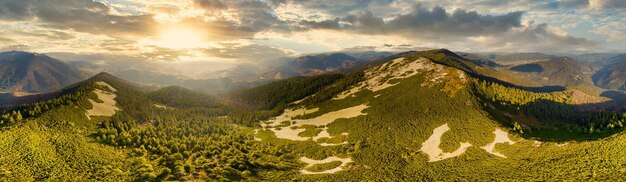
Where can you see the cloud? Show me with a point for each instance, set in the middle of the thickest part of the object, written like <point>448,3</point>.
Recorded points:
<point>257,29</point>
<point>607,4</point>
<point>211,4</point>
<point>422,22</point>
<point>80,15</point>
<point>539,38</point>
<point>572,3</point>
<point>5,40</point>
<point>242,19</point>
<point>18,47</point>
<point>341,8</point>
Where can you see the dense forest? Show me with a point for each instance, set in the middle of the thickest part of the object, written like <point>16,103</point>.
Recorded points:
<point>181,97</point>
<point>283,92</point>
<point>528,111</point>
<point>176,144</point>
<point>192,148</point>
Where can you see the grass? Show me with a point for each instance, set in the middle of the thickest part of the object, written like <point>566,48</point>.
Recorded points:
<point>324,166</point>
<point>310,131</point>
<point>336,139</point>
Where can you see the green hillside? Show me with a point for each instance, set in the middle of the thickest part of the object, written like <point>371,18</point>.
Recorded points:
<point>281,92</point>
<point>181,97</point>
<point>385,143</point>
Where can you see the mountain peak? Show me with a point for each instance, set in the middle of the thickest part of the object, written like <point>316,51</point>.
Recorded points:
<point>106,77</point>
<point>33,72</point>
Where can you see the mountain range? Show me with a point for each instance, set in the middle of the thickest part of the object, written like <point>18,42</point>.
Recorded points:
<point>32,73</point>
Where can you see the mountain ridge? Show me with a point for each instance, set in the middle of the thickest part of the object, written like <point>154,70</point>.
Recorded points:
<point>32,72</point>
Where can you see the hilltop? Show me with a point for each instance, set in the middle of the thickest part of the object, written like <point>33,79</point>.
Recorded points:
<point>31,72</point>
<point>613,74</point>
<point>562,71</point>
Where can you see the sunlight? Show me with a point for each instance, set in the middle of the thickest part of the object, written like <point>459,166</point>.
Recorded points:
<point>180,38</point>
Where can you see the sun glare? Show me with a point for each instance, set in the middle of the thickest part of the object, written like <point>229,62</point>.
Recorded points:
<point>180,38</point>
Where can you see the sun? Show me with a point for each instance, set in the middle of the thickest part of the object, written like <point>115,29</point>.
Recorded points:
<point>180,38</point>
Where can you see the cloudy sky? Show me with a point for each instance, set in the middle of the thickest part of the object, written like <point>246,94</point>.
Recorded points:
<point>247,30</point>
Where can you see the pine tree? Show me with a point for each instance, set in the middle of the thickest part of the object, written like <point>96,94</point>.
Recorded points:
<point>18,117</point>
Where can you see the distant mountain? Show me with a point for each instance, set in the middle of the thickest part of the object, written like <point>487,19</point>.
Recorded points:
<point>245,75</point>
<point>613,74</point>
<point>321,63</point>
<point>595,57</point>
<point>557,71</point>
<point>479,60</point>
<point>32,72</point>
<point>513,58</point>
<point>369,55</point>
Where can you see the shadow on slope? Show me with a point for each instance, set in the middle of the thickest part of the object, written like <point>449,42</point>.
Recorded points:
<point>549,120</point>
<point>528,68</point>
<point>615,95</point>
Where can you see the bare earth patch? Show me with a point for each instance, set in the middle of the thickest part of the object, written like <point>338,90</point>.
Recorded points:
<point>311,162</point>
<point>256,131</point>
<point>161,106</point>
<point>378,78</point>
<point>107,107</point>
<point>431,146</point>
<point>562,144</point>
<point>501,137</point>
<point>291,130</point>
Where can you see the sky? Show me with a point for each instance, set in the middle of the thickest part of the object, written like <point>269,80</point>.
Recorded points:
<point>224,32</point>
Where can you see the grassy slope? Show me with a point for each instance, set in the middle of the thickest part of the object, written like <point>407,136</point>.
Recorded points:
<point>60,149</point>
<point>58,145</point>
<point>403,117</point>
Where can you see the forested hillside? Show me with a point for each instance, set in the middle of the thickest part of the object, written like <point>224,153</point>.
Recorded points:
<point>181,97</point>
<point>267,97</point>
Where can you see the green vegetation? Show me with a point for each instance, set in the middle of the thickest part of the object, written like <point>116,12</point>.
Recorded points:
<point>547,116</point>
<point>182,97</point>
<point>134,145</point>
<point>281,93</point>
<point>206,149</point>
<point>310,131</point>
<point>332,90</point>
<point>77,96</point>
